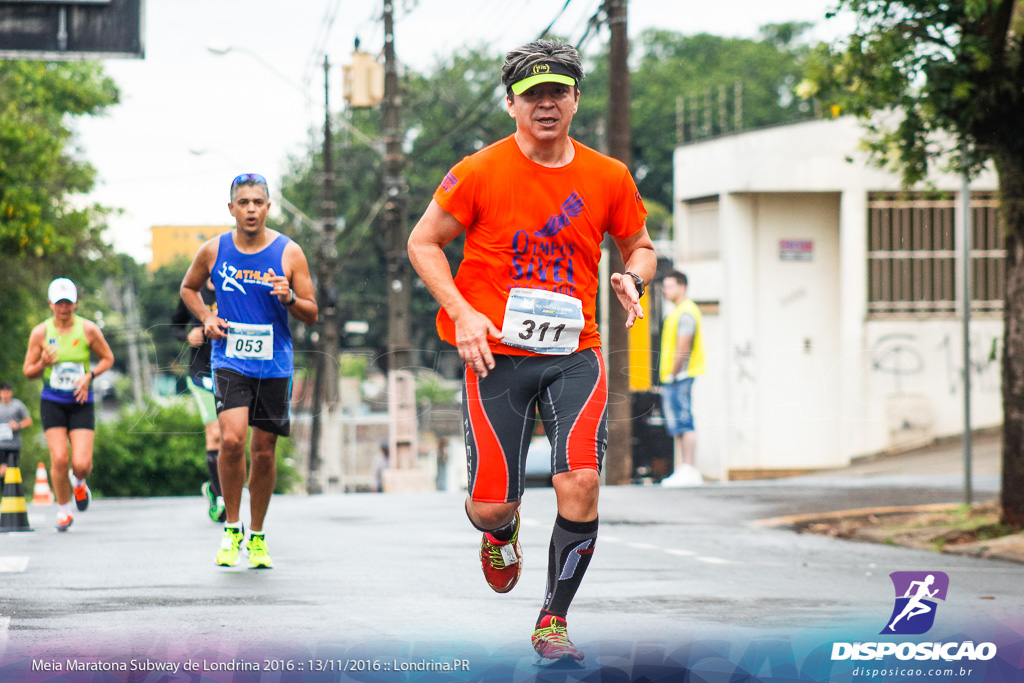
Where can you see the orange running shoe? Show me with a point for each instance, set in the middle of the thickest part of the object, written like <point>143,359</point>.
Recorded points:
<point>64,521</point>
<point>82,497</point>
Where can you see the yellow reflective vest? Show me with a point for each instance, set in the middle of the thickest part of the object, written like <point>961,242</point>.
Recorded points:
<point>670,336</point>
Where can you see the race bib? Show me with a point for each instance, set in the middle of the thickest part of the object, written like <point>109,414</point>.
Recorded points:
<point>251,342</point>
<point>543,322</point>
<point>6,433</point>
<point>64,375</point>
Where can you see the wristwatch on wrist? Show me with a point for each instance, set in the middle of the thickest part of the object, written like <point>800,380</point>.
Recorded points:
<point>639,282</point>
<point>291,298</point>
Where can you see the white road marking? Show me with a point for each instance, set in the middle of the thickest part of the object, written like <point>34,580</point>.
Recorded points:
<point>643,546</point>
<point>714,560</point>
<point>13,564</point>
<point>680,553</point>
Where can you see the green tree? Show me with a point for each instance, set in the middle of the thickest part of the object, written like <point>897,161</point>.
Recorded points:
<point>44,231</point>
<point>951,71</point>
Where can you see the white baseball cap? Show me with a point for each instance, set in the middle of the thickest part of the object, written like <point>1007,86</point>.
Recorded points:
<point>62,288</point>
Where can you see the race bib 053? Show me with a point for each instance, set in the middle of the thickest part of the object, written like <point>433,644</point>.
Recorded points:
<point>248,341</point>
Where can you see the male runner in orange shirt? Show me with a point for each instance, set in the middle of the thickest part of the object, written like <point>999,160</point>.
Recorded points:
<point>534,208</point>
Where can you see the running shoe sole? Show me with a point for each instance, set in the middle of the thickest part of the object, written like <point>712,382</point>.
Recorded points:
<point>61,528</point>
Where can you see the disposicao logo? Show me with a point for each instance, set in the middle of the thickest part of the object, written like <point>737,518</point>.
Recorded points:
<point>913,613</point>
<point>916,593</point>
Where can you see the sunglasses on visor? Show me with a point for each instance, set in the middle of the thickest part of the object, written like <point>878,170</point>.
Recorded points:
<point>246,177</point>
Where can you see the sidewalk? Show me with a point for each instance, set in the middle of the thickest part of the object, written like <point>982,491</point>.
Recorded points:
<point>942,457</point>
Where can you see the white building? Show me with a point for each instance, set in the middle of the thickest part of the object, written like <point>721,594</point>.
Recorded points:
<point>831,324</point>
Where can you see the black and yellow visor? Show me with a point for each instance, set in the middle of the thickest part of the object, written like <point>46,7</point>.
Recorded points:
<point>545,72</point>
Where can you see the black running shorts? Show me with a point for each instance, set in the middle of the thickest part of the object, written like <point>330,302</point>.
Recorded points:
<point>69,416</point>
<point>499,413</point>
<point>268,399</point>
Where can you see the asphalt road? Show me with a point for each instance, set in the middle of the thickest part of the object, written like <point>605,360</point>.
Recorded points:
<point>360,577</point>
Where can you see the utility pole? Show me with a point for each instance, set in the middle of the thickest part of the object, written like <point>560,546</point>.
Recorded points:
<point>395,230</point>
<point>620,414</point>
<point>325,382</point>
<point>401,391</point>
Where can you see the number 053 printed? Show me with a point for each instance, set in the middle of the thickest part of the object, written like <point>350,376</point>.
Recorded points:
<point>542,322</point>
<point>250,341</point>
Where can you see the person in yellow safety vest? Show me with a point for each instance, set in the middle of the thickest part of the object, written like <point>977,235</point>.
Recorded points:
<point>682,360</point>
<point>59,351</point>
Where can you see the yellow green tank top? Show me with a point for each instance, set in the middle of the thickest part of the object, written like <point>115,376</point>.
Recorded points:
<point>72,361</point>
<point>669,337</point>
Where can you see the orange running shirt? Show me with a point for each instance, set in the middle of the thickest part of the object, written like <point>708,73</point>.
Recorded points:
<point>535,227</point>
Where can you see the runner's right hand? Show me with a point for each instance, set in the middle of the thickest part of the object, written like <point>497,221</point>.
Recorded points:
<point>215,328</point>
<point>49,355</point>
<point>472,329</point>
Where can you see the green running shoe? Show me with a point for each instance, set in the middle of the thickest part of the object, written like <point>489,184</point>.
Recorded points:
<point>259,557</point>
<point>216,511</point>
<point>230,542</point>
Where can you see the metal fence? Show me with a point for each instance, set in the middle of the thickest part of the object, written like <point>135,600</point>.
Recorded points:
<point>912,256</point>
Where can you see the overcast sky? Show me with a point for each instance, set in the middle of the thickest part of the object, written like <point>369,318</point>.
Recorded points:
<point>191,120</point>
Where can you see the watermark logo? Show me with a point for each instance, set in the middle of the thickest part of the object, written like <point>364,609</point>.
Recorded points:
<point>916,594</point>
<point>913,613</point>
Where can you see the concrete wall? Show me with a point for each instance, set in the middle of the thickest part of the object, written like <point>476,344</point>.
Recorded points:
<point>798,377</point>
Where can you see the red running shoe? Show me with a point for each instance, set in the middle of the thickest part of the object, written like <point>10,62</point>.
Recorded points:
<point>551,641</point>
<point>502,561</point>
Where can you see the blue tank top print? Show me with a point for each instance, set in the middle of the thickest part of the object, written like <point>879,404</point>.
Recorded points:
<point>259,343</point>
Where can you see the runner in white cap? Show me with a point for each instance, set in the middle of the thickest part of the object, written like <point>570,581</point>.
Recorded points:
<point>59,351</point>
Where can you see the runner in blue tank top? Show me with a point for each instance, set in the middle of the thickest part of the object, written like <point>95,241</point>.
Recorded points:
<point>260,276</point>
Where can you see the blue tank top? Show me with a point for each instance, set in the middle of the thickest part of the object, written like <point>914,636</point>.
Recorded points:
<point>259,343</point>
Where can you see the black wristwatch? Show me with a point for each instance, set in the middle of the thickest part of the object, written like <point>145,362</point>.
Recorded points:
<point>291,301</point>
<point>639,282</point>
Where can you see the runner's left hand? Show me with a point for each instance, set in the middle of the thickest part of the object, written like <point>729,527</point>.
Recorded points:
<point>625,290</point>
<point>281,287</point>
<point>82,387</point>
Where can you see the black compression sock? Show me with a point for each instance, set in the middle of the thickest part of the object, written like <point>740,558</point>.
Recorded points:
<point>211,465</point>
<point>572,545</point>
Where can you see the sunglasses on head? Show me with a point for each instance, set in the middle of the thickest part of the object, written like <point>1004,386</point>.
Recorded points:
<point>246,177</point>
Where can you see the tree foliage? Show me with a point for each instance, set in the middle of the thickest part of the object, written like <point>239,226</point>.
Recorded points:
<point>951,75</point>
<point>160,450</point>
<point>39,171</point>
<point>45,230</point>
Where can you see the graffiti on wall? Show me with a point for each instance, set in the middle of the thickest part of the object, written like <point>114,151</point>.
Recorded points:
<point>900,355</point>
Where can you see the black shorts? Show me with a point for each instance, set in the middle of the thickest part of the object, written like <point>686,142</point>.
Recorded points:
<point>268,399</point>
<point>9,456</point>
<point>69,416</point>
<point>499,411</point>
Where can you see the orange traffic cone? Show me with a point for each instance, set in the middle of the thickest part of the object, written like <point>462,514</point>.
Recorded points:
<point>13,513</point>
<point>42,495</point>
